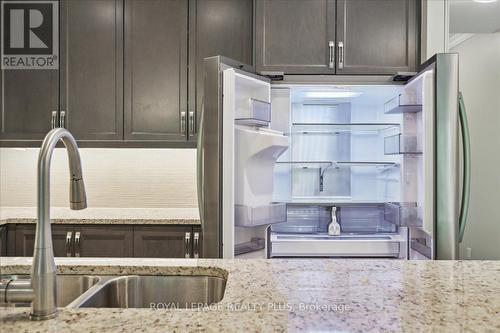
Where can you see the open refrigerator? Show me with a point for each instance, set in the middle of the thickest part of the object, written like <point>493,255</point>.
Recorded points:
<point>274,157</point>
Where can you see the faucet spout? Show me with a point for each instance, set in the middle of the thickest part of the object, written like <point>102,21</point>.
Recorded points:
<point>43,273</point>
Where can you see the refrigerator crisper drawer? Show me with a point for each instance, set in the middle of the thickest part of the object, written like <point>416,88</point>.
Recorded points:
<point>246,216</point>
<point>322,245</point>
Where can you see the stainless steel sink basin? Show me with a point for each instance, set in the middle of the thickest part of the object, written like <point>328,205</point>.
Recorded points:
<point>69,287</point>
<point>157,292</point>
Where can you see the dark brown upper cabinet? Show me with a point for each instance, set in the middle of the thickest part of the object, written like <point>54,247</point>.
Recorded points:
<point>156,45</point>
<point>91,69</point>
<point>377,36</point>
<point>295,36</point>
<point>216,27</point>
<point>369,37</point>
<point>29,104</point>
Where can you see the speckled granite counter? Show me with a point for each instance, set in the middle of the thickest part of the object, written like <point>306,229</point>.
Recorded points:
<point>63,215</point>
<point>293,295</point>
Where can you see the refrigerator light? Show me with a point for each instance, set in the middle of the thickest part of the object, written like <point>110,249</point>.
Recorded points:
<point>332,94</point>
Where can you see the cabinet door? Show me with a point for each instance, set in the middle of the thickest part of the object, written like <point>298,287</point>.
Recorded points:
<point>216,27</point>
<point>295,36</point>
<point>376,36</point>
<point>163,241</point>
<point>27,100</point>
<point>103,241</point>
<point>92,68</point>
<point>25,240</point>
<point>3,241</point>
<point>156,70</point>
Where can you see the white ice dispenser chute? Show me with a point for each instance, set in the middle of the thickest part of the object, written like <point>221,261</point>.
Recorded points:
<point>256,152</point>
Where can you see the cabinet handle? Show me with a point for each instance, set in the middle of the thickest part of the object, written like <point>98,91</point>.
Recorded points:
<point>183,122</point>
<point>187,243</point>
<point>69,235</point>
<point>330,54</point>
<point>77,244</point>
<point>196,244</point>
<point>341,54</point>
<point>53,120</point>
<point>191,123</point>
<point>62,119</point>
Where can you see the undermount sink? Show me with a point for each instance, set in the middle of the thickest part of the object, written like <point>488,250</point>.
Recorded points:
<point>69,287</point>
<point>134,291</point>
<point>176,291</point>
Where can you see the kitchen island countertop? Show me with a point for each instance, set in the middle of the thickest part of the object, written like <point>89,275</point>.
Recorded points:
<point>291,295</point>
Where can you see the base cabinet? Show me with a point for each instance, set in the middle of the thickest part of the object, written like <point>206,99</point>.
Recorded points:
<point>25,240</point>
<point>151,241</point>
<point>161,242</point>
<point>103,241</point>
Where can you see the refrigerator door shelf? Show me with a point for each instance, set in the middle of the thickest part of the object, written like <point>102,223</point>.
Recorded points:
<point>406,103</point>
<point>402,214</point>
<point>322,245</point>
<point>401,144</point>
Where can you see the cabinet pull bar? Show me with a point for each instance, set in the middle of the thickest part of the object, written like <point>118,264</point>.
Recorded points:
<point>330,54</point>
<point>187,243</point>
<point>191,123</point>
<point>69,235</point>
<point>62,119</point>
<point>341,54</point>
<point>53,120</point>
<point>77,244</point>
<point>196,244</point>
<point>183,122</point>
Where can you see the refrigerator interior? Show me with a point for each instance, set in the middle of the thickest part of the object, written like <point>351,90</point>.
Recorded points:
<point>301,149</point>
<point>368,151</point>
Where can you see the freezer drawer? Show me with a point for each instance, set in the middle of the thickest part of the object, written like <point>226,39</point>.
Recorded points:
<point>322,245</point>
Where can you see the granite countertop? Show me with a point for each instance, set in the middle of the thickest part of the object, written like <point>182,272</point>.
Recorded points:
<point>293,295</point>
<point>64,215</point>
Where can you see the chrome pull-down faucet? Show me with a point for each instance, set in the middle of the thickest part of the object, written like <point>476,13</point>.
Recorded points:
<point>42,289</point>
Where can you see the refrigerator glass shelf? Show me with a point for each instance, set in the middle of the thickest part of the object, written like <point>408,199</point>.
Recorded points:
<point>337,164</point>
<point>337,128</point>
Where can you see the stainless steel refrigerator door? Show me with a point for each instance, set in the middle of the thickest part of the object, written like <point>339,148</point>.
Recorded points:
<point>447,169</point>
<point>210,153</point>
<point>444,238</point>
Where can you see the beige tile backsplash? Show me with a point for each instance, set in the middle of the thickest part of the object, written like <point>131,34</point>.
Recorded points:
<point>114,178</point>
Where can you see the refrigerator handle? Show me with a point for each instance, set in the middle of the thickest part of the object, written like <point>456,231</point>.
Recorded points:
<point>199,163</point>
<point>464,207</point>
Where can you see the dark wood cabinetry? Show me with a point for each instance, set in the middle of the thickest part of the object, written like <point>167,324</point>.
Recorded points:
<point>374,37</point>
<point>29,104</point>
<point>25,239</point>
<point>3,241</point>
<point>161,242</point>
<point>152,241</point>
<point>377,36</point>
<point>91,69</point>
<point>216,27</point>
<point>103,241</point>
<point>295,36</point>
<point>156,41</point>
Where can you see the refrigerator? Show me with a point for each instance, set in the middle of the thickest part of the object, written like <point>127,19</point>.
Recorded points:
<point>277,158</point>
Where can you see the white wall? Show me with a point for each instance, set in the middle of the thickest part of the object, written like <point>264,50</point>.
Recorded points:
<point>114,178</point>
<point>479,59</point>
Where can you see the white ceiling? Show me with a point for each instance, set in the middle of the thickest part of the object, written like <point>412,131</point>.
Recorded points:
<point>468,16</point>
